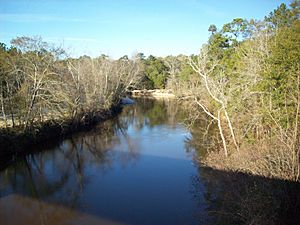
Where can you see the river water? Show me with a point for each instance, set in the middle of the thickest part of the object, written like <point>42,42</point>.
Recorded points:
<point>135,169</point>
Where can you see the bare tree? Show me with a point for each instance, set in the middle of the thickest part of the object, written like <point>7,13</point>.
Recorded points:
<point>215,90</point>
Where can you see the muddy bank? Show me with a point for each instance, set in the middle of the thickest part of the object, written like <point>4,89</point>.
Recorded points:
<point>14,142</point>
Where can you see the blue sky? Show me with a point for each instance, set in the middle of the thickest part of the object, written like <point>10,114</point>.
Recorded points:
<point>119,27</point>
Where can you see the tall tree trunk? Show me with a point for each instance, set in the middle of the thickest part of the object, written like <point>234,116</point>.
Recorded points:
<point>296,148</point>
<point>32,102</point>
<point>10,105</point>
<point>231,130</point>
<point>3,108</point>
<point>221,133</point>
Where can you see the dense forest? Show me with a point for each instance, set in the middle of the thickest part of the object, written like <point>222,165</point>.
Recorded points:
<point>248,83</point>
<point>246,80</point>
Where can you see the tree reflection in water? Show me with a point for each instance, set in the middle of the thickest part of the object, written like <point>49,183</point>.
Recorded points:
<point>60,175</point>
<point>70,176</point>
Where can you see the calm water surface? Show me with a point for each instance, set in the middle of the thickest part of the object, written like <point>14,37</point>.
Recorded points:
<point>135,169</point>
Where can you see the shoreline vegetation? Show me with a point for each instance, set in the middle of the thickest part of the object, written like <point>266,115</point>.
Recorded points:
<point>15,142</point>
<point>246,80</point>
<point>45,94</point>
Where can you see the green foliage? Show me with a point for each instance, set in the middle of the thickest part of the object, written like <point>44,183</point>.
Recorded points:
<point>295,9</point>
<point>185,73</point>
<point>280,79</point>
<point>156,71</point>
<point>280,17</point>
<point>212,28</point>
<point>217,43</point>
<point>236,30</point>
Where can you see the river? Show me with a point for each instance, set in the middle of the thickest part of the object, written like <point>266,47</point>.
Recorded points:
<point>135,169</point>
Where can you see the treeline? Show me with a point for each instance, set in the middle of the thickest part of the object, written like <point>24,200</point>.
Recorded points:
<point>40,82</point>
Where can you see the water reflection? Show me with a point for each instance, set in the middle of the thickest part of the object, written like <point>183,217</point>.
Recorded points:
<point>131,170</point>
<point>139,169</point>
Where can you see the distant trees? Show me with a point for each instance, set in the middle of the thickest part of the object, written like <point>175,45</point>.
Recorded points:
<point>99,81</point>
<point>156,71</point>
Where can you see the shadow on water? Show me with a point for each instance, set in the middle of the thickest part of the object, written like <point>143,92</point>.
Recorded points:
<point>136,169</point>
<point>233,197</point>
<point>239,198</point>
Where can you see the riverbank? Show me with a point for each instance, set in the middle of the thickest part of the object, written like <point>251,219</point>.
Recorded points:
<point>156,93</point>
<point>254,186</point>
<point>15,142</point>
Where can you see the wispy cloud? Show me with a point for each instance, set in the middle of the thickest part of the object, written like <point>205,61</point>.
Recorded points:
<point>32,18</point>
<point>83,39</point>
<point>74,39</point>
